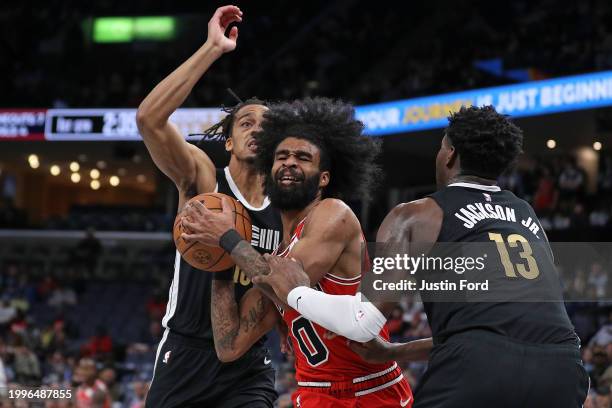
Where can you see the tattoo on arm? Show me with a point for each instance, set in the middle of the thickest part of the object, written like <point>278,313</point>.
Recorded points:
<point>249,260</point>
<point>227,321</point>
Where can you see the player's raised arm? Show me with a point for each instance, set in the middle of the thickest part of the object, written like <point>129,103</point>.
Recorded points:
<point>174,156</point>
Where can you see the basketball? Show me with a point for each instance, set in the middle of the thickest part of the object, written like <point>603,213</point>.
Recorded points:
<point>211,258</point>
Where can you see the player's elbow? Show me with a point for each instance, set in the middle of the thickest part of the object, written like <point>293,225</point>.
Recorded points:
<point>227,356</point>
<point>146,119</point>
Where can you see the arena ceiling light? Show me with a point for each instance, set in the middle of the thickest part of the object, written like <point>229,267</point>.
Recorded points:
<point>101,164</point>
<point>33,161</point>
<point>95,184</point>
<point>114,181</point>
<point>127,29</point>
<point>74,167</point>
<point>75,177</point>
<point>55,170</point>
<point>597,146</point>
<point>551,143</point>
<point>94,174</point>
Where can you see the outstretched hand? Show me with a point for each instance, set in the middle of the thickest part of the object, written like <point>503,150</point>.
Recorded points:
<point>204,225</point>
<point>218,24</point>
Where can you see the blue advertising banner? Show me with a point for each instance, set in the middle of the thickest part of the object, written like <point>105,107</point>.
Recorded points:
<point>525,99</point>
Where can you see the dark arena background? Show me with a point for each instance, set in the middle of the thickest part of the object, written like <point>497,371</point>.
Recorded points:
<point>86,249</point>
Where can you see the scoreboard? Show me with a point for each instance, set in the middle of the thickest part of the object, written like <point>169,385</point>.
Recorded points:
<point>119,124</point>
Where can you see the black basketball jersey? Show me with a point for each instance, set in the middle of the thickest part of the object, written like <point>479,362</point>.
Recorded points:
<point>188,309</point>
<point>522,270</point>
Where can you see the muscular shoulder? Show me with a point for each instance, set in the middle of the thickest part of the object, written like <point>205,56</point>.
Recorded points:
<point>423,217</point>
<point>334,217</point>
<point>417,210</point>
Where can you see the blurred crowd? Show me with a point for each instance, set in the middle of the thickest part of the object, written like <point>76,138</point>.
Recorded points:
<point>556,187</point>
<point>64,333</point>
<point>352,49</point>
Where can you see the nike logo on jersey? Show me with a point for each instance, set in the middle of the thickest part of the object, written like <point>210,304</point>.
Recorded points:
<point>267,361</point>
<point>404,403</point>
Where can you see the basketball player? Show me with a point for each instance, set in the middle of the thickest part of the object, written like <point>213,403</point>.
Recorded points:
<point>313,153</point>
<point>482,354</point>
<point>187,371</point>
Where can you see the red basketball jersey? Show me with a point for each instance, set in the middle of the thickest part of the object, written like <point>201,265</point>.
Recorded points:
<point>320,355</point>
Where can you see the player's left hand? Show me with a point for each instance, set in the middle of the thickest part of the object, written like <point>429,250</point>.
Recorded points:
<point>204,225</point>
<point>376,350</point>
<point>285,275</point>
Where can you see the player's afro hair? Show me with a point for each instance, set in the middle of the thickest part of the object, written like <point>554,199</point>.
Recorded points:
<point>487,142</point>
<point>330,125</point>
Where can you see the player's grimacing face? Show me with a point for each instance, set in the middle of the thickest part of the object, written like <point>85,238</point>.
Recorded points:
<point>247,121</point>
<point>296,177</point>
<point>294,161</point>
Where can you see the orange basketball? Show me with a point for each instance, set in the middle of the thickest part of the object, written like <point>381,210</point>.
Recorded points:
<point>211,258</point>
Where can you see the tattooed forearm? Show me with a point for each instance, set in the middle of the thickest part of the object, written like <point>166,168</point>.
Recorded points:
<point>224,311</point>
<point>232,327</point>
<point>252,264</point>
<point>249,260</point>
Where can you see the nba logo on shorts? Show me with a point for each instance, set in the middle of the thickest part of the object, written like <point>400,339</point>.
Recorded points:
<point>166,357</point>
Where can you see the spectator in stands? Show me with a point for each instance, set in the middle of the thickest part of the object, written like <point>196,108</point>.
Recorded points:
<point>605,175</point>
<point>56,370</point>
<point>139,389</point>
<point>602,398</point>
<point>600,363</point>
<point>571,180</point>
<point>156,306</point>
<point>99,345</point>
<point>604,336</point>
<point>395,323</point>
<point>25,363</point>
<point>599,217</point>
<point>53,337</point>
<point>7,313</point>
<point>579,218</point>
<point>512,181</point>
<point>109,377</point>
<point>598,279</point>
<point>91,392</point>
<point>61,296</point>
<point>87,251</point>
<point>419,328</point>
<point>545,197</point>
